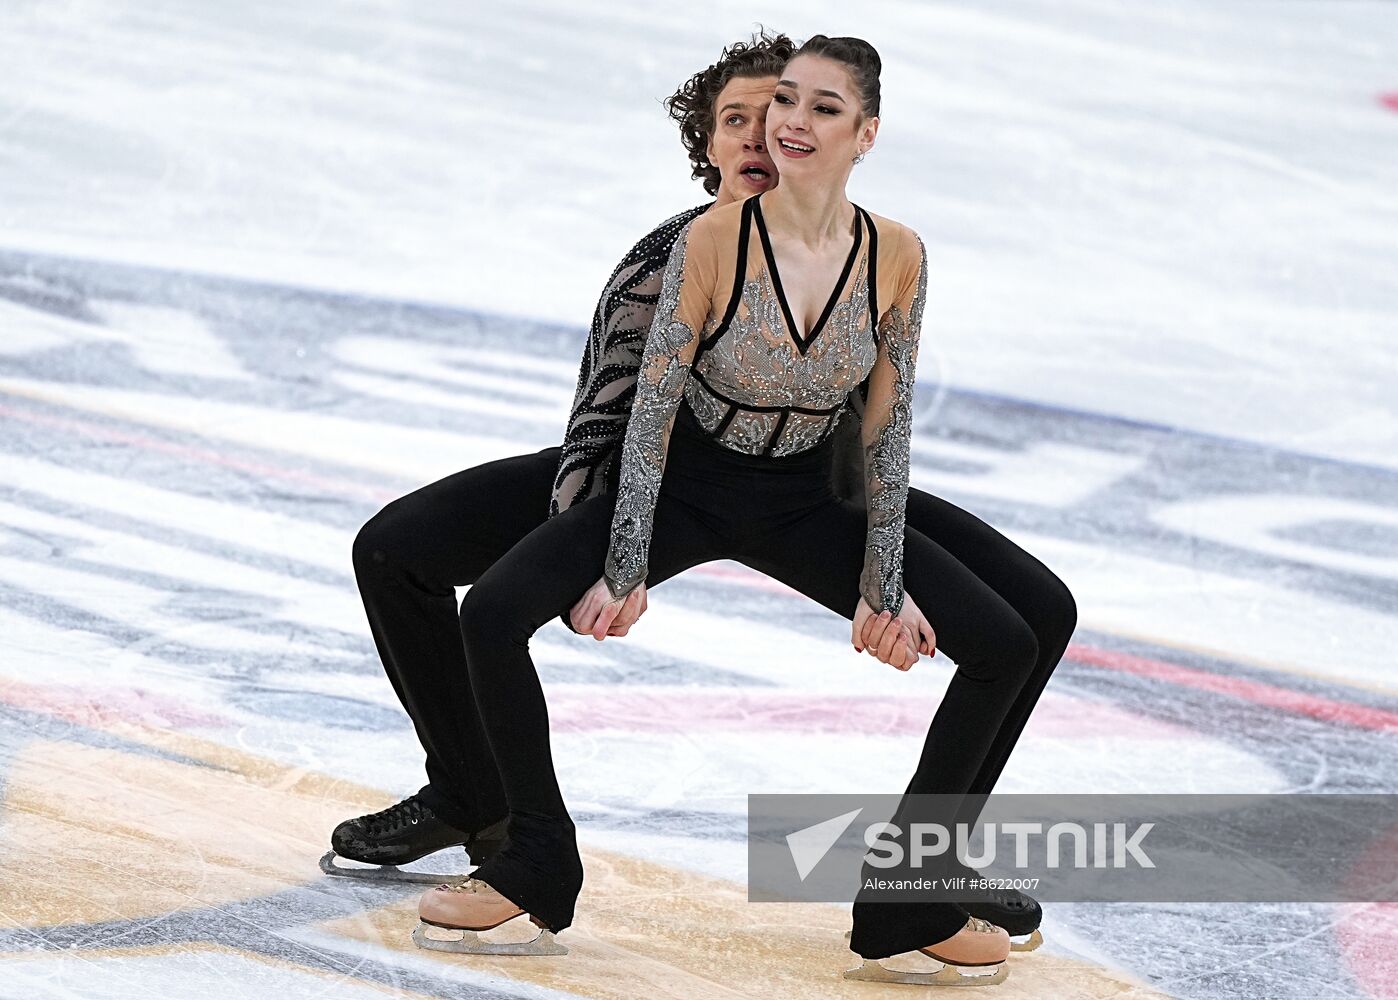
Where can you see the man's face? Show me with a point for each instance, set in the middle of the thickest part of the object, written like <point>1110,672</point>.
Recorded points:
<point>738,146</point>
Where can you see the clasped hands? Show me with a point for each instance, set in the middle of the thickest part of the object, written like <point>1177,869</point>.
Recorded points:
<point>895,640</point>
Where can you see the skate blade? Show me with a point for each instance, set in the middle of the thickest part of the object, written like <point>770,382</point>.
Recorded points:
<point>470,943</point>
<point>387,873</point>
<point>872,971</point>
<point>1031,943</point>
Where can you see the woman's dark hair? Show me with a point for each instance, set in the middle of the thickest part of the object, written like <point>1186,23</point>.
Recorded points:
<point>859,57</point>
<point>692,106</point>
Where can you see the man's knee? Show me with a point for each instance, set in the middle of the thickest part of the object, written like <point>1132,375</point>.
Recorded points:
<point>376,543</point>
<point>396,541</point>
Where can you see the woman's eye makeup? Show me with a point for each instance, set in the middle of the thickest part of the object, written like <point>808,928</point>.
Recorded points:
<point>827,109</point>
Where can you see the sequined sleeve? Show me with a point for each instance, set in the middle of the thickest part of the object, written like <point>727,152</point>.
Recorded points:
<point>607,374</point>
<point>685,295</point>
<point>887,433</point>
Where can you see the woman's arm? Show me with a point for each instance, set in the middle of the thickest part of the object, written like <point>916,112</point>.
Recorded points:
<point>607,373</point>
<point>685,294</point>
<point>887,432</point>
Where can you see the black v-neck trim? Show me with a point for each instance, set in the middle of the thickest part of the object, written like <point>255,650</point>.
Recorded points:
<point>804,345</point>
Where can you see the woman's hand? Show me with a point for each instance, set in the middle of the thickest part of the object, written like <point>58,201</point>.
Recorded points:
<point>603,615</point>
<point>895,641</point>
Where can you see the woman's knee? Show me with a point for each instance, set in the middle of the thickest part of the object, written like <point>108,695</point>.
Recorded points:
<point>488,614</point>
<point>1055,613</point>
<point>1004,647</point>
<point>1066,611</point>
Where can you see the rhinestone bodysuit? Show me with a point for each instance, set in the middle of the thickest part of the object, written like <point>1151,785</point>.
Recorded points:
<point>724,341</point>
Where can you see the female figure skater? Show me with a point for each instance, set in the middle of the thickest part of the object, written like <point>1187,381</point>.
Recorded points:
<point>749,362</point>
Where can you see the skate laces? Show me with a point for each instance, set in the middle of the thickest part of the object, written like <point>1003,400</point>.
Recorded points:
<point>470,885</point>
<point>401,814</point>
<point>977,924</point>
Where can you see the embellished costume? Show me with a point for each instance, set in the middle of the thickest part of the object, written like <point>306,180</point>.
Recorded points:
<point>611,356</point>
<point>757,385</point>
<point>756,460</point>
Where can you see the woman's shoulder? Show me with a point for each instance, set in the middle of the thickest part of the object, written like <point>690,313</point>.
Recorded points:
<point>718,220</point>
<point>894,237</point>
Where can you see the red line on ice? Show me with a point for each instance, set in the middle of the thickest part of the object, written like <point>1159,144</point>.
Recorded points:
<point>96,707</point>
<point>1365,932</point>
<point>1258,692</point>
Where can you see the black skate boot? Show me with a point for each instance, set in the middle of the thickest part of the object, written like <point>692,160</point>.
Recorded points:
<point>401,834</point>
<point>1016,912</point>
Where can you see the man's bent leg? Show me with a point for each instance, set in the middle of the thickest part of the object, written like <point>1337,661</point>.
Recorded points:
<point>408,559</point>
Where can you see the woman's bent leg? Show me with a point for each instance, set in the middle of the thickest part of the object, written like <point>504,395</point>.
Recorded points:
<point>407,560</point>
<point>994,649</point>
<point>540,577</point>
<point>1026,584</point>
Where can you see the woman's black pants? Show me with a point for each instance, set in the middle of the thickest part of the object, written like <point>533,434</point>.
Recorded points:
<point>471,689</point>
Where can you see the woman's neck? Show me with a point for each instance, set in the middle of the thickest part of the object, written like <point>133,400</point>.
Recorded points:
<point>814,216</point>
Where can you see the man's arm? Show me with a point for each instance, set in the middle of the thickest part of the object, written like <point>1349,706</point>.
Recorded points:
<point>607,376</point>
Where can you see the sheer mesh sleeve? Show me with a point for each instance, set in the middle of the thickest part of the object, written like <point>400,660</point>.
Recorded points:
<point>607,374</point>
<point>685,295</point>
<point>887,432</point>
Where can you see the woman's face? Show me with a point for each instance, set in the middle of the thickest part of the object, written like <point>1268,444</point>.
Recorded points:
<point>813,126</point>
<point>738,145</point>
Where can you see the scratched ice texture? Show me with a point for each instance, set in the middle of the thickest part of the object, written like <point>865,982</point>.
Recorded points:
<point>264,267</point>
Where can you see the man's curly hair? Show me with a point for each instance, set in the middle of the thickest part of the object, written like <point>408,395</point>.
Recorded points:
<point>692,106</point>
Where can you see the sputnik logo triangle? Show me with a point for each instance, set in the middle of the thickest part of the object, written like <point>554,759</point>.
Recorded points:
<point>808,846</point>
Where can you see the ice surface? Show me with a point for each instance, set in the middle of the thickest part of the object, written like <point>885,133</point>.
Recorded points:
<point>1177,215</point>
<point>1212,180</point>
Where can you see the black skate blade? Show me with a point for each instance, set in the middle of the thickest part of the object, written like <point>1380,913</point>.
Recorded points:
<point>388,873</point>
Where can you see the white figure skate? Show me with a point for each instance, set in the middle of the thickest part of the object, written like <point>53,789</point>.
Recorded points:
<point>469,908</point>
<point>979,946</point>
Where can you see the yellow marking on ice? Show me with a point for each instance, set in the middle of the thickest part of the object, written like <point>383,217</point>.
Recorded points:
<point>157,951</point>
<point>100,834</point>
<point>647,930</point>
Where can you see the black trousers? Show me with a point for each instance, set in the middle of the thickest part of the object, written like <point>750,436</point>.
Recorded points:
<point>472,691</point>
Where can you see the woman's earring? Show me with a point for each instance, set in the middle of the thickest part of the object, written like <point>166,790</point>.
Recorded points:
<point>859,158</point>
